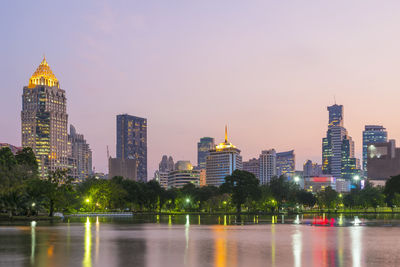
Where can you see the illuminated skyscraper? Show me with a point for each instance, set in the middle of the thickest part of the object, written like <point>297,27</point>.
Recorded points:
<point>286,164</point>
<point>222,161</point>
<point>372,134</point>
<point>44,120</point>
<point>132,142</point>
<point>203,150</point>
<point>252,166</point>
<point>338,147</point>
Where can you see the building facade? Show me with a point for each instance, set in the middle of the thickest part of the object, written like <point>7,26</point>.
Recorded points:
<point>372,134</point>
<point>203,150</point>
<point>338,157</point>
<point>79,154</point>
<point>222,161</point>
<point>311,169</point>
<point>267,165</point>
<point>44,120</point>
<point>383,162</point>
<point>132,142</point>
<point>165,166</point>
<point>252,166</point>
<point>127,168</point>
<point>286,164</point>
<point>183,174</point>
<point>14,149</point>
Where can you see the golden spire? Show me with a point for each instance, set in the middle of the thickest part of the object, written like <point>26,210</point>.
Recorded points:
<point>43,76</point>
<point>226,134</point>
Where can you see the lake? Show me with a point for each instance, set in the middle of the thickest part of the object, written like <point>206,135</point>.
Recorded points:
<point>192,240</point>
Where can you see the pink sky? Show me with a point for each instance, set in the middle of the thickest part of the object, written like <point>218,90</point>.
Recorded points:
<point>268,69</point>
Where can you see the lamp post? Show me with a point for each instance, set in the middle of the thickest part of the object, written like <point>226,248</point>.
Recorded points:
<point>356,179</point>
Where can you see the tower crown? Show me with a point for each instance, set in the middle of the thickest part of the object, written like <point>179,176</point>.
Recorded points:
<point>43,76</point>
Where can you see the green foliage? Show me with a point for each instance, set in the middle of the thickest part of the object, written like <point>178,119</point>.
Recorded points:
<point>392,187</point>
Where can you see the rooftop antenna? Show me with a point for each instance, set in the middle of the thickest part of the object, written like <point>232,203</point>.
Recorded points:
<point>108,153</point>
<point>334,99</point>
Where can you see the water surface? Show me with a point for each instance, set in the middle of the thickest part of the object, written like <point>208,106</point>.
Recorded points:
<point>204,241</point>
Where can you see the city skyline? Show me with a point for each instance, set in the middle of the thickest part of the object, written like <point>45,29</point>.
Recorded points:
<point>299,84</point>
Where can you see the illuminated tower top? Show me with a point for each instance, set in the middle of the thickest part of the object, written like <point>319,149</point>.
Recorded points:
<point>226,144</point>
<point>43,76</point>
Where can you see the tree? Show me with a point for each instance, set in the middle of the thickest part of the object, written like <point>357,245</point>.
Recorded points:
<point>283,191</point>
<point>306,198</point>
<point>392,187</point>
<point>243,186</point>
<point>327,198</point>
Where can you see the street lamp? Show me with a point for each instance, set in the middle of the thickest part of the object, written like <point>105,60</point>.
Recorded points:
<point>296,179</point>
<point>87,200</point>
<point>356,178</point>
<point>33,204</point>
<point>187,200</point>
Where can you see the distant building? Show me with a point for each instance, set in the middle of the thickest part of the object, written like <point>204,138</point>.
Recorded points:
<point>252,166</point>
<point>267,165</point>
<point>372,134</point>
<point>164,168</point>
<point>203,150</point>
<point>132,142</point>
<point>222,161</point>
<point>183,174</point>
<point>126,168</point>
<point>317,184</point>
<point>79,155</point>
<point>202,177</point>
<point>383,162</point>
<point>311,169</point>
<point>44,120</point>
<point>14,149</point>
<point>338,157</point>
<point>286,164</point>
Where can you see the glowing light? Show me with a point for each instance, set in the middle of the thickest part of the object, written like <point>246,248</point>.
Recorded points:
<point>33,204</point>
<point>187,200</point>
<point>87,200</point>
<point>43,76</point>
<point>356,177</point>
<point>87,259</point>
<point>296,179</point>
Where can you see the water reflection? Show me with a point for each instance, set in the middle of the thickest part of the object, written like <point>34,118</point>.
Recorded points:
<point>296,246</point>
<point>356,244</point>
<point>97,240</point>
<point>87,260</point>
<point>33,241</point>
<point>272,244</point>
<point>220,246</point>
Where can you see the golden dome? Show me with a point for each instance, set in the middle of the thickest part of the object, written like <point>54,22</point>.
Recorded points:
<point>43,76</point>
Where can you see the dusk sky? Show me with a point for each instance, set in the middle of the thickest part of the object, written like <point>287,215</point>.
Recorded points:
<point>268,69</point>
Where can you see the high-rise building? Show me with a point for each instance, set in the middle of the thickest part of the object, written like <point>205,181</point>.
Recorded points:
<point>44,120</point>
<point>79,154</point>
<point>311,169</point>
<point>222,161</point>
<point>164,168</point>
<point>286,164</point>
<point>372,134</point>
<point>127,168</point>
<point>203,150</point>
<point>132,142</point>
<point>252,166</point>
<point>267,165</point>
<point>338,147</point>
<point>183,174</point>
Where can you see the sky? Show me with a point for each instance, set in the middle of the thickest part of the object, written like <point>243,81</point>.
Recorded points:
<point>267,69</point>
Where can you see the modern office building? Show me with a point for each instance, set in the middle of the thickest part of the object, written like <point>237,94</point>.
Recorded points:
<point>267,165</point>
<point>311,169</point>
<point>222,161</point>
<point>338,147</point>
<point>253,166</point>
<point>44,120</point>
<point>319,183</point>
<point>132,142</point>
<point>383,162</point>
<point>372,134</point>
<point>126,168</point>
<point>286,164</point>
<point>79,154</point>
<point>183,174</point>
<point>203,150</point>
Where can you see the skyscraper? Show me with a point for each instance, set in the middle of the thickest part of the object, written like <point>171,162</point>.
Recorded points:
<point>164,168</point>
<point>338,147</point>
<point>132,142</point>
<point>372,134</point>
<point>203,150</point>
<point>183,174</point>
<point>80,154</point>
<point>44,120</point>
<point>222,161</point>
<point>286,163</point>
<point>311,169</point>
<point>267,165</point>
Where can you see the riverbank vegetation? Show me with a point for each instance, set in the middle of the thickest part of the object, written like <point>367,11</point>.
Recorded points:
<point>22,193</point>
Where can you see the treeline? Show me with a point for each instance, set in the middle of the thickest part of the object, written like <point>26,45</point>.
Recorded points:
<point>23,193</point>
